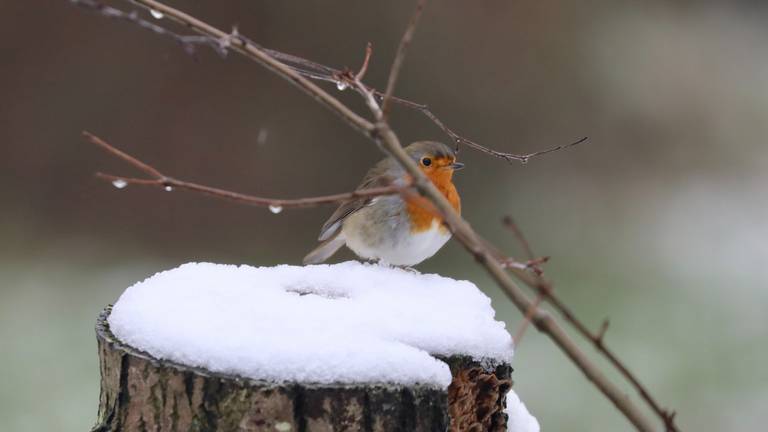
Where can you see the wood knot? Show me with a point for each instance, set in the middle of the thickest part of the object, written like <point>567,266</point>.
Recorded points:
<point>476,401</point>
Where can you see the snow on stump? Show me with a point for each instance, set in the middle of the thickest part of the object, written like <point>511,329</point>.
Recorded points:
<point>344,347</point>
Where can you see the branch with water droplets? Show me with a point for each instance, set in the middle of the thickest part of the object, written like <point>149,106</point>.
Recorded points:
<point>275,205</point>
<point>222,42</point>
<point>188,42</point>
<point>296,70</point>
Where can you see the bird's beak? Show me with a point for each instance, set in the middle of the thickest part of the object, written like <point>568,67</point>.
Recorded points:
<point>457,166</point>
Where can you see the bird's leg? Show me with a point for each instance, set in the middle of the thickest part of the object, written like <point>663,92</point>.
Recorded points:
<point>409,269</point>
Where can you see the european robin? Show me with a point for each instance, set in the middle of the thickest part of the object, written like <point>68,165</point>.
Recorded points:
<point>394,229</point>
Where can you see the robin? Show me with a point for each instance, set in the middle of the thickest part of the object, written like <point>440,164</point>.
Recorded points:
<point>394,229</point>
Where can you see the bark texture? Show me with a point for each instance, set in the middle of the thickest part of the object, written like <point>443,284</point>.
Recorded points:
<point>140,393</point>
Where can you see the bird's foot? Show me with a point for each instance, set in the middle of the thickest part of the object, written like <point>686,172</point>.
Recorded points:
<point>409,269</point>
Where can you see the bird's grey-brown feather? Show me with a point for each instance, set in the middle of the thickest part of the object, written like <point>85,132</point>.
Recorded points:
<point>375,178</point>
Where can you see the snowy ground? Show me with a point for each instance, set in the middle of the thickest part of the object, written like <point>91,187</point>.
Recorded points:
<point>341,323</point>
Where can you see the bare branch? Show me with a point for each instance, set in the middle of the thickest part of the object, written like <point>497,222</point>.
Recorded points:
<point>602,330</point>
<point>163,181</point>
<point>147,169</point>
<point>506,261</point>
<point>545,291</point>
<point>528,316</point>
<point>477,247</point>
<point>388,140</point>
<point>221,43</point>
<point>402,49</point>
<point>364,68</point>
<point>518,337</point>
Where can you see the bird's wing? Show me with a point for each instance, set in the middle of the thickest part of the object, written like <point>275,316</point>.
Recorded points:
<point>373,179</point>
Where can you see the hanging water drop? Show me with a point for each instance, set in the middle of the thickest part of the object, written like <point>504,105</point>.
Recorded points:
<point>119,183</point>
<point>168,189</point>
<point>275,209</point>
<point>341,85</point>
<point>156,14</point>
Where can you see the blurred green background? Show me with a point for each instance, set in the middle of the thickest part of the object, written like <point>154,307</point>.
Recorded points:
<point>659,222</point>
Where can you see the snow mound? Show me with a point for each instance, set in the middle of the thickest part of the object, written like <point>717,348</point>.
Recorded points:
<point>340,323</point>
<point>519,419</point>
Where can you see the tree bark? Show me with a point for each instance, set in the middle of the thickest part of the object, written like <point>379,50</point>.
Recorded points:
<point>140,393</point>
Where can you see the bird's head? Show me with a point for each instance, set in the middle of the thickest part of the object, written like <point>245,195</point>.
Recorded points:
<point>436,160</point>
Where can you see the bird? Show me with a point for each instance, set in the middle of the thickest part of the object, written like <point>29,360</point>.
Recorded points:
<point>398,230</point>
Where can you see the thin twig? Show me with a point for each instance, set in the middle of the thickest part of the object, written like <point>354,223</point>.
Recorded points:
<point>161,180</point>
<point>402,49</point>
<point>364,68</point>
<point>528,251</point>
<point>527,318</point>
<point>603,328</point>
<point>510,224</point>
<point>509,262</point>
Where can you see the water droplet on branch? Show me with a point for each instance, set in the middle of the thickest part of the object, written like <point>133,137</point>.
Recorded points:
<point>341,85</point>
<point>168,189</point>
<point>275,209</point>
<point>156,14</point>
<point>119,183</point>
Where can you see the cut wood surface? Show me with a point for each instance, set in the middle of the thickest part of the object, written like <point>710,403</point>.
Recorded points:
<point>142,393</point>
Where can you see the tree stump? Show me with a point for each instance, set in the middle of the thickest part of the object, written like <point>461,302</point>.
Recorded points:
<point>142,393</point>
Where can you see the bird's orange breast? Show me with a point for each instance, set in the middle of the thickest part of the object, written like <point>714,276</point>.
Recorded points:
<point>422,212</point>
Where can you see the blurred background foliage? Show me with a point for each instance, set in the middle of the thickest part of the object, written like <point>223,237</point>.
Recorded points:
<point>659,222</point>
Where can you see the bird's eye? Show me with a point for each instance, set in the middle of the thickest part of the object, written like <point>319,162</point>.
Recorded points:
<point>426,161</point>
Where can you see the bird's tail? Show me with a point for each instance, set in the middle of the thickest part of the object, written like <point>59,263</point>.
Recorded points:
<point>326,248</point>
